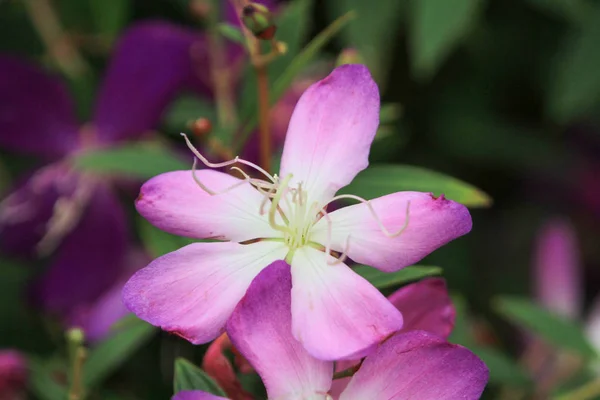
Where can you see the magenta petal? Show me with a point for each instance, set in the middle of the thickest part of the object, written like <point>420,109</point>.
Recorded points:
<point>13,374</point>
<point>175,203</point>
<point>425,306</point>
<point>558,274</point>
<point>196,395</point>
<point>36,112</point>
<point>89,260</point>
<point>337,314</point>
<point>261,329</point>
<point>192,292</point>
<point>330,132</point>
<point>418,365</point>
<point>433,222</point>
<point>151,62</point>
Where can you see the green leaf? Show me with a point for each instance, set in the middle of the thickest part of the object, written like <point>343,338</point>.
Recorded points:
<point>380,180</point>
<point>572,10</point>
<point>110,16</point>
<point>158,242</point>
<point>135,160</point>
<point>231,32</point>
<point>575,87</point>
<point>375,30</point>
<point>108,356</point>
<point>185,109</point>
<point>555,329</point>
<point>190,377</point>
<point>436,28</point>
<point>306,56</point>
<point>503,369</point>
<point>383,280</point>
<point>42,382</point>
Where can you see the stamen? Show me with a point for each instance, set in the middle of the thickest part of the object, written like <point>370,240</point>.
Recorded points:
<point>275,203</point>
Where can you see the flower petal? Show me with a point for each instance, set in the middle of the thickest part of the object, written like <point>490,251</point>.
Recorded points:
<point>196,395</point>
<point>152,61</point>
<point>558,273</point>
<point>425,306</point>
<point>90,258</point>
<point>175,203</point>
<point>433,222</point>
<point>331,131</point>
<point>261,329</point>
<point>193,291</point>
<point>36,112</point>
<point>418,365</point>
<point>337,314</point>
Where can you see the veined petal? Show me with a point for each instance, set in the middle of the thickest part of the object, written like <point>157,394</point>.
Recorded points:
<point>337,314</point>
<point>193,291</point>
<point>418,365</point>
<point>425,306</point>
<point>196,395</point>
<point>37,114</point>
<point>331,131</point>
<point>175,203</point>
<point>432,222</point>
<point>261,329</point>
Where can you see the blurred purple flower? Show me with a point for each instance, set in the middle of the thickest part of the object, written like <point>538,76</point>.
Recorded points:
<point>414,364</point>
<point>57,207</point>
<point>13,375</point>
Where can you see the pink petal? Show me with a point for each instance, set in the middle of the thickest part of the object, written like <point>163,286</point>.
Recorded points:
<point>432,223</point>
<point>425,306</point>
<point>261,329</point>
<point>558,274</point>
<point>331,131</point>
<point>196,395</point>
<point>192,291</point>
<point>336,314</point>
<point>175,203</point>
<point>418,365</point>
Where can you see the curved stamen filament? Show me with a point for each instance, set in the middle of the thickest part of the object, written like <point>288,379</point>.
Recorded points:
<point>281,190</point>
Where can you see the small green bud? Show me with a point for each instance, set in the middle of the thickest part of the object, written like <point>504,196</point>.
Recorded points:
<point>75,336</point>
<point>258,19</point>
<point>349,56</point>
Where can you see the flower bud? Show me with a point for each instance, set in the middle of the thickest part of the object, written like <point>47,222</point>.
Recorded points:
<point>201,127</point>
<point>349,56</point>
<point>258,19</point>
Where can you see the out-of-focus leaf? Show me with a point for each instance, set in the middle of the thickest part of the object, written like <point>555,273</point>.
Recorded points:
<point>436,28</point>
<point>190,377</point>
<point>231,32</point>
<point>375,30</point>
<point>380,180</point>
<point>383,280</point>
<point>186,109</point>
<point>141,161</point>
<point>158,242</point>
<point>461,333</point>
<point>575,87</point>
<point>107,356</point>
<point>389,113</point>
<point>572,10</point>
<point>42,381</point>
<point>503,369</point>
<point>305,57</point>
<point>110,15</point>
<point>554,329</point>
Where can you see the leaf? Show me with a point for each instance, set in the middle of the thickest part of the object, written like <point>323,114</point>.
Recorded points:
<point>383,280</point>
<point>555,329</point>
<point>374,31</point>
<point>231,32</point>
<point>42,382</point>
<point>575,88</point>
<point>185,109</point>
<point>190,377</point>
<point>573,10</point>
<point>141,161</point>
<point>380,180</point>
<point>436,28</point>
<point>108,356</point>
<point>503,369</point>
<point>307,55</point>
<point>110,16</point>
<point>157,242</point>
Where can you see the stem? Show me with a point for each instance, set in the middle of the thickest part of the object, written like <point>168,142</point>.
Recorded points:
<point>264,116</point>
<point>64,53</point>
<point>588,391</point>
<point>76,390</point>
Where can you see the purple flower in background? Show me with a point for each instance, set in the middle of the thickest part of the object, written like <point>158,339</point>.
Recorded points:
<point>13,374</point>
<point>56,207</point>
<point>415,365</point>
<point>336,313</point>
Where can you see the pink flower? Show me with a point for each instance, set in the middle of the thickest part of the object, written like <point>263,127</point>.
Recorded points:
<point>415,365</point>
<point>13,374</point>
<point>335,313</point>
